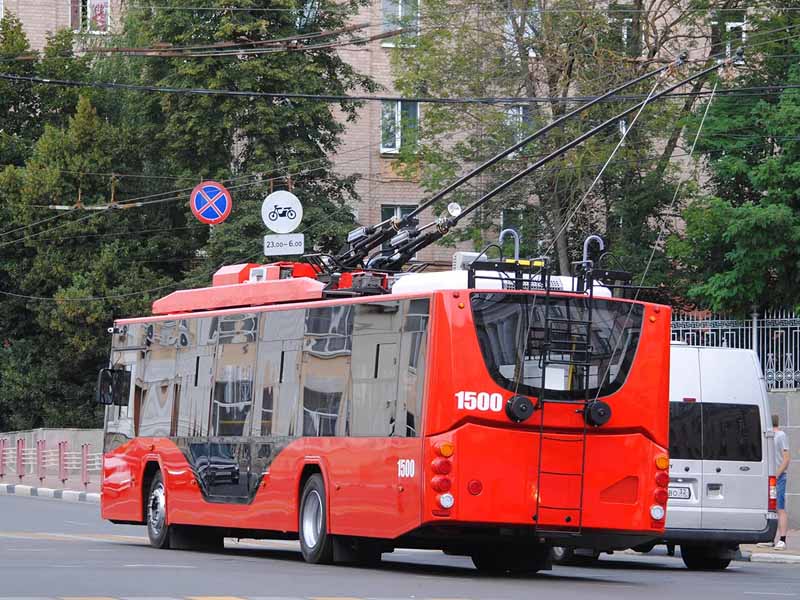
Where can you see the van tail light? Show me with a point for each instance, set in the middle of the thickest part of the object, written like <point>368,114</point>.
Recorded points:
<point>772,504</point>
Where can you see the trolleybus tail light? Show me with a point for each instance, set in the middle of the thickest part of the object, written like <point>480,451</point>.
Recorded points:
<point>445,449</point>
<point>475,487</point>
<point>772,504</point>
<point>446,501</point>
<point>441,484</point>
<point>441,466</point>
<point>657,512</point>
<point>660,495</point>
<point>662,462</point>
<point>662,479</point>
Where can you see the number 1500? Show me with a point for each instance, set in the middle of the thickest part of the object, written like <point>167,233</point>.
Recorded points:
<point>483,401</point>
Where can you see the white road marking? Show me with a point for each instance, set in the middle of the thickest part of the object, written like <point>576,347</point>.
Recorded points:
<point>159,566</point>
<point>770,594</point>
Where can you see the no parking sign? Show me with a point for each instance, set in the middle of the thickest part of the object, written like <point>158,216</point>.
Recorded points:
<point>211,202</point>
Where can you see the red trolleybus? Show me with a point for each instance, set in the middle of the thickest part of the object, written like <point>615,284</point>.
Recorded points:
<point>490,412</point>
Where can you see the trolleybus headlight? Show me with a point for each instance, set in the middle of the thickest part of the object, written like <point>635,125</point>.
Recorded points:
<point>441,484</point>
<point>662,479</point>
<point>447,501</point>
<point>657,512</point>
<point>660,495</point>
<point>441,466</point>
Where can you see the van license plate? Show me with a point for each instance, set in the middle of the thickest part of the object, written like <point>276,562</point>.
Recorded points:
<point>684,493</point>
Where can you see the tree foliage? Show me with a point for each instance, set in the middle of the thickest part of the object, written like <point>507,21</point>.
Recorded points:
<point>66,275</point>
<point>549,50</point>
<point>739,249</point>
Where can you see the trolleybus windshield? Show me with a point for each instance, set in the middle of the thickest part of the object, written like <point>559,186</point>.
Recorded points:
<point>587,353</point>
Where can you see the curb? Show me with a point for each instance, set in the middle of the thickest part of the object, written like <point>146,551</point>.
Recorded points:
<point>42,492</point>
<point>770,557</point>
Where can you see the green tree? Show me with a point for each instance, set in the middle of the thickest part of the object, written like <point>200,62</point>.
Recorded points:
<point>550,50</point>
<point>740,245</point>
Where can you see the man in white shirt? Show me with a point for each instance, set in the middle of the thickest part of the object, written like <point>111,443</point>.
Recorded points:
<point>782,458</point>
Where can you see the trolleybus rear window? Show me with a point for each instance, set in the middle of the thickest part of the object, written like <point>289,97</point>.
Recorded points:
<point>586,355</point>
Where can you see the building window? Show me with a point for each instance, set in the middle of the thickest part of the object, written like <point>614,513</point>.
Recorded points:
<point>401,14</point>
<point>395,211</point>
<point>90,15</point>
<point>520,32</point>
<point>518,121</point>
<point>399,126</point>
<point>735,36</point>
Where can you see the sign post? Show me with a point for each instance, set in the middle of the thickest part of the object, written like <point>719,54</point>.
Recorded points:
<point>282,213</point>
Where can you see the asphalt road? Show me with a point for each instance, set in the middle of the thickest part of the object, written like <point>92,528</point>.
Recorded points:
<point>56,549</point>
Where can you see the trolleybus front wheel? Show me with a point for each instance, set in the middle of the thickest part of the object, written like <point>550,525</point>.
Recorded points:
<point>316,543</point>
<point>156,513</point>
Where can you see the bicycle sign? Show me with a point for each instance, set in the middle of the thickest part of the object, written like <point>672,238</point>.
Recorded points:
<point>282,212</point>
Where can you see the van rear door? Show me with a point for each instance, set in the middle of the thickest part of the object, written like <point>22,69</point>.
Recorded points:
<point>735,469</point>
<point>685,439</point>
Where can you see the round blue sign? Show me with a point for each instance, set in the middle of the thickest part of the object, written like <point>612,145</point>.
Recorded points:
<point>211,202</point>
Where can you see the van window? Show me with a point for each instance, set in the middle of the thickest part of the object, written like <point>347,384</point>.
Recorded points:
<point>731,432</point>
<point>685,430</point>
<point>712,431</point>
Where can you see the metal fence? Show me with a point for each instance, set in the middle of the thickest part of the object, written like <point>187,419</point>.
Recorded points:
<point>18,461</point>
<point>774,335</point>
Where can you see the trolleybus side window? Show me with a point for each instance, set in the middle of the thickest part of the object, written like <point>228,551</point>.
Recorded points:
<point>374,367</point>
<point>412,364</point>
<point>326,370</point>
<point>278,371</point>
<point>235,363</point>
<point>577,365</point>
<point>159,378</point>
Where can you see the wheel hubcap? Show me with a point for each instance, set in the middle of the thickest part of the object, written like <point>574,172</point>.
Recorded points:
<point>312,519</point>
<point>157,509</point>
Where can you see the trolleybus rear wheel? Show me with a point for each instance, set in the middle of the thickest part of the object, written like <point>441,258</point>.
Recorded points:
<point>316,543</point>
<point>513,560</point>
<point>156,513</point>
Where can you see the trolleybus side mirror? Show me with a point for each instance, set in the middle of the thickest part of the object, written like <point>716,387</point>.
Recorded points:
<point>113,387</point>
<point>105,387</point>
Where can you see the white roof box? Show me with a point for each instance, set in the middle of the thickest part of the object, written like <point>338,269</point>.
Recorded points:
<point>457,280</point>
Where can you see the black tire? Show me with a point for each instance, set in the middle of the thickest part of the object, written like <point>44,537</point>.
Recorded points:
<point>562,555</point>
<point>699,558</point>
<point>316,543</point>
<point>158,531</point>
<point>644,548</point>
<point>513,561</point>
<point>568,557</point>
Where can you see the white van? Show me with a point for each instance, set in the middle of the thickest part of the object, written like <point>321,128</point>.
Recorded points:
<point>721,457</point>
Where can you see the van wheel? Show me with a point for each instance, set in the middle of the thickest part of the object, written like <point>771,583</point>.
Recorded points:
<point>698,558</point>
<point>568,557</point>
<point>158,532</point>
<point>644,548</point>
<point>316,543</point>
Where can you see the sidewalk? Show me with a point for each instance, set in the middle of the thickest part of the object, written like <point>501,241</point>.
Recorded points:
<point>790,555</point>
